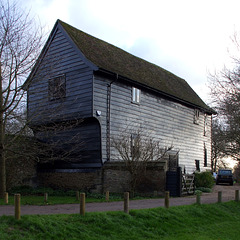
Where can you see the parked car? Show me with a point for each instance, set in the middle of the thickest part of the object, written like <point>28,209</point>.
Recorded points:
<point>224,176</point>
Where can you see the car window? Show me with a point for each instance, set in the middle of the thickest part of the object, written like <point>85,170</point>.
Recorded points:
<point>225,172</point>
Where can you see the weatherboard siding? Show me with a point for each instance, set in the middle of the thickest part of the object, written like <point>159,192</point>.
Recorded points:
<point>60,58</point>
<point>80,142</point>
<point>166,121</point>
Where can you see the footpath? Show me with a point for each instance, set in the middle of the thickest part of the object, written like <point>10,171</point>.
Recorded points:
<point>228,194</point>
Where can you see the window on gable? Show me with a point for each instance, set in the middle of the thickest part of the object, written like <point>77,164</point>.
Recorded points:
<point>196,116</point>
<point>135,95</point>
<point>57,87</point>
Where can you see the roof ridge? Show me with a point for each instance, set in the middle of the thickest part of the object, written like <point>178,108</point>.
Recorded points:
<point>114,59</point>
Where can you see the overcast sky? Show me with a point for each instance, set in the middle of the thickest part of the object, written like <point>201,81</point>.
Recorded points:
<point>186,37</point>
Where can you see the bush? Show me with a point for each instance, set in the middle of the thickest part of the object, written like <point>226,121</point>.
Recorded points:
<point>204,180</point>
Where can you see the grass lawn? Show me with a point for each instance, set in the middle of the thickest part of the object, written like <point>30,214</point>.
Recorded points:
<point>39,200</point>
<point>204,222</point>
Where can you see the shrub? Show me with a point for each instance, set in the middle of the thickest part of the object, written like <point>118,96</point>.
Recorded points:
<point>204,179</point>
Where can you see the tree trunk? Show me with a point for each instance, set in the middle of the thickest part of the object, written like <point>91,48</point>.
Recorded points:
<point>2,172</point>
<point>2,154</point>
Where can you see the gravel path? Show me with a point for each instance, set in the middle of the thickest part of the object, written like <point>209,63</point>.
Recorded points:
<point>228,193</point>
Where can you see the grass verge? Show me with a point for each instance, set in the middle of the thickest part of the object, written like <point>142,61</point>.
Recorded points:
<point>208,222</point>
<point>39,200</point>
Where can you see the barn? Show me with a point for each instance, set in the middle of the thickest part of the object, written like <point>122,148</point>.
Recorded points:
<point>83,92</point>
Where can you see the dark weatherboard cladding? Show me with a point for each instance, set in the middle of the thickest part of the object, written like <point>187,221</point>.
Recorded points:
<point>89,85</point>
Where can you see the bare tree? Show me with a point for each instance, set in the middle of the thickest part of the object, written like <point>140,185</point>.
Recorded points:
<point>225,93</point>
<point>137,152</point>
<point>219,144</point>
<point>20,42</point>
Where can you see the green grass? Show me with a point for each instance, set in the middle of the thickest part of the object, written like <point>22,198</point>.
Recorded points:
<point>35,196</point>
<point>39,200</point>
<point>204,222</point>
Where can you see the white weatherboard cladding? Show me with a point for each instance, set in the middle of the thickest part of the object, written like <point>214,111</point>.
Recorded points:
<point>169,122</point>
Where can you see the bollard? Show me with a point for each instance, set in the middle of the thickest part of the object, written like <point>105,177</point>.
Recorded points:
<point>219,196</point>
<point>155,193</point>
<point>126,202</point>
<point>6,198</point>
<point>107,196</point>
<point>77,196</point>
<point>237,195</point>
<point>167,193</point>
<point>82,204</point>
<point>45,197</point>
<point>198,198</point>
<point>17,203</point>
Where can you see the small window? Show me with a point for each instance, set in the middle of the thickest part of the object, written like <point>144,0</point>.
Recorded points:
<point>57,88</point>
<point>205,156</point>
<point>135,95</point>
<point>197,164</point>
<point>196,116</point>
<point>205,125</point>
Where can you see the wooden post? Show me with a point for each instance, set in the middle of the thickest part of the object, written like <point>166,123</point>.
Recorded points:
<point>126,202</point>
<point>17,203</point>
<point>45,197</point>
<point>6,198</point>
<point>107,196</point>
<point>77,196</point>
<point>237,195</point>
<point>167,199</point>
<point>198,198</point>
<point>82,204</point>
<point>219,196</point>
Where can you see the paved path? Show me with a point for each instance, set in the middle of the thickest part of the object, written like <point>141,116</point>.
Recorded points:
<point>228,193</point>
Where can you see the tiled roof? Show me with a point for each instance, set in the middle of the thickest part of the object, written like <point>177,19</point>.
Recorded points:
<point>111,58</point>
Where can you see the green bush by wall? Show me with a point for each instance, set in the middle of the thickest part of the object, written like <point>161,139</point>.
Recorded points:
<point>204,179</point>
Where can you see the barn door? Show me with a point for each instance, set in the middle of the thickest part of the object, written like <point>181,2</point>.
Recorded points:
<point>174,176</point>
<point>174,182</point>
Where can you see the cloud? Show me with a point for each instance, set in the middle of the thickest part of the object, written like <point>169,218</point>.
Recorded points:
<point>185,37</point>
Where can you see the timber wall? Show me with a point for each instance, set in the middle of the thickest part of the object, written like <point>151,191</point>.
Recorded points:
<point>164,120</point>
<point>60,58</point>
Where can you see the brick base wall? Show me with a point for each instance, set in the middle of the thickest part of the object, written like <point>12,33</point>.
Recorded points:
<point>113,177</point>
<point>85,181</point>
<point>116,178</point>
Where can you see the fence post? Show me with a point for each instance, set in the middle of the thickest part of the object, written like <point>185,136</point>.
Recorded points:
<point>126,202</point>
<point>45,197</point>
<point>219,196</point>
<point>17,203</point>
<point>167,199</point>
<point>107,196</point>
<point>6,198</point>
<point>198,198</point>
<point>237,195</point>
<point>77,196</point>
<point>82,204</point>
